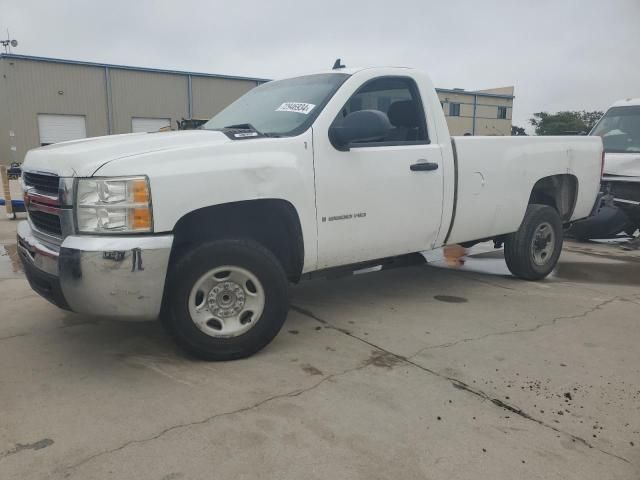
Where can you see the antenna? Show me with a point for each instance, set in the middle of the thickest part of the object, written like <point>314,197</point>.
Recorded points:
<point>8,43</point>
<point>337,65</point>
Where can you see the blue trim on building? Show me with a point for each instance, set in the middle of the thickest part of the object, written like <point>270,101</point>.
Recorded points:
<point>127,67</point>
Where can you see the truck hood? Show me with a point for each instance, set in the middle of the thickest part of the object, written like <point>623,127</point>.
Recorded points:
<point>82,158</point>
<point>622,164</point>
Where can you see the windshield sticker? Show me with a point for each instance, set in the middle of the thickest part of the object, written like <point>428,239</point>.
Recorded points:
<point>244,135</point>
<point>304,108</point>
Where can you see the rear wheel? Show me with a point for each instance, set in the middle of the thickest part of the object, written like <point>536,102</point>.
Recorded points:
<point>532,252</point>
<point>227,299</point>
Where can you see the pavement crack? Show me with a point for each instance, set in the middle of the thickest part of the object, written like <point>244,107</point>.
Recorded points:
<point>518,411</point>
<point>8,337</point>
<point>459,384</point>
<point>179,426</point>
<point>553,321</point>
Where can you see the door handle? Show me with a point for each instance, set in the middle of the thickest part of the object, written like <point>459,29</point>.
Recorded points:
<point>423,166</point>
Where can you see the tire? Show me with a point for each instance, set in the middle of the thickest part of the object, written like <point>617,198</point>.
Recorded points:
<point>197,284</point>
<point>527,259</point>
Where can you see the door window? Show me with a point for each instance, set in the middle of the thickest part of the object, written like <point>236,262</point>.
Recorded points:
<point>399,100</point>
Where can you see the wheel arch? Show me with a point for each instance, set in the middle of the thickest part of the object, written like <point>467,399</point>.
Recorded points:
<point>557,191</point>
<point>274,223</point>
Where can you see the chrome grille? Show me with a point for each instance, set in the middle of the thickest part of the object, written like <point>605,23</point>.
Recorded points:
<point>623,190</point>
<point>46,222</point>
<point>42,199</point>
<point>41,182</point>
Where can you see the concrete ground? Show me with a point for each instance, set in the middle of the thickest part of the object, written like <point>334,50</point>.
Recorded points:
<point>421,372</point>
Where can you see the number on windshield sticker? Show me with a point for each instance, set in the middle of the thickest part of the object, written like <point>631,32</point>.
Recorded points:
<point>297,107</point>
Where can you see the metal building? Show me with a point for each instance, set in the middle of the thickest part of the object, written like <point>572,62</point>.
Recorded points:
<point>48,100</point>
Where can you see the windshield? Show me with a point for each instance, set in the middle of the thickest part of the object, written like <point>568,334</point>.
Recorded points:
<point>280,108</point>
<point>620,129</point>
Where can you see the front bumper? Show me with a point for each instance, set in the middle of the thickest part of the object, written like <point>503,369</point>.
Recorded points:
<point>625,191</point>
<point>113,276</point>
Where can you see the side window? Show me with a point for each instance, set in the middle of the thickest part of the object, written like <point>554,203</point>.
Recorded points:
<point>398,99</point>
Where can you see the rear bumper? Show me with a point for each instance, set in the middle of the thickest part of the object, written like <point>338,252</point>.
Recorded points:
<point>120,277</point>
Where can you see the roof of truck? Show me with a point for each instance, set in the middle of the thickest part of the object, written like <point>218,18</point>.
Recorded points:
<point>627,102</point>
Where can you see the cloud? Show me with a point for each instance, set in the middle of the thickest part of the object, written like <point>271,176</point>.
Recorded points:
<point>564,54</point>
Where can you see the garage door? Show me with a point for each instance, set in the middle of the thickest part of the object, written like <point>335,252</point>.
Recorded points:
<point>60,128</point>
<point>141,124</point>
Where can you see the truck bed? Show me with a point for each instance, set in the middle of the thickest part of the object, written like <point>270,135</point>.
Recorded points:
<point>493,172</point>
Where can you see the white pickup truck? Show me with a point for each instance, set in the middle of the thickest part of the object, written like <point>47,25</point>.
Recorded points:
<point>345,168</point>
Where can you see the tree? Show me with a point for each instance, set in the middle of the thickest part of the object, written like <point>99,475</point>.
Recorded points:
<point>517,131</point>
<point>591,118</point>
<point>564,123</point>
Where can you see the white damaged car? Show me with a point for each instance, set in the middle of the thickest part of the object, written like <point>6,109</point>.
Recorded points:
<point>620,207</point>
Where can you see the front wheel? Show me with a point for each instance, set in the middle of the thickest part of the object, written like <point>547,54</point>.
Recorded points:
<point>227,299</point>
<point>532,252</point>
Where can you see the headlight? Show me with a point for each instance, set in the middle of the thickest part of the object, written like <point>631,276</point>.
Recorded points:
<point>113,205</point>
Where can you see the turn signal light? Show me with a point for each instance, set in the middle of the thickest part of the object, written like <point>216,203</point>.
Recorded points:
<point>140,218</point>
<point>140,190</point>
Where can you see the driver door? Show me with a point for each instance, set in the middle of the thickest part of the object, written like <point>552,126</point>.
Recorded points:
<point>372,200</point>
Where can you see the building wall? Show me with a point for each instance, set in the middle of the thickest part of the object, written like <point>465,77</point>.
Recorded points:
<point>486,111</point>
<point>31,88</point>
<point>211,95</point>
<point>147,94</point>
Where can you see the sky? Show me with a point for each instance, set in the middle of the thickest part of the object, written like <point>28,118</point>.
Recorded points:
<point>559,55</point>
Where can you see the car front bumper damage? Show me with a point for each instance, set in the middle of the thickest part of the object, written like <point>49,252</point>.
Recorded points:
<point>115,276</point>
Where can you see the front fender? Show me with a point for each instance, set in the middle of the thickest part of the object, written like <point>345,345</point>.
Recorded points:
<point>192,178</point>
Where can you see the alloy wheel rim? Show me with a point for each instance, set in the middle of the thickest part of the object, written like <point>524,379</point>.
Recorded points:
<point>226,301</point>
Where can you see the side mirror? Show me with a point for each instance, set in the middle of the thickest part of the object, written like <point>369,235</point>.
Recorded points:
<point>360,126</point>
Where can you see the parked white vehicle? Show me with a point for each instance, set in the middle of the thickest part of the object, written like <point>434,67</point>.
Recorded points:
<point>620,132</point>
<point>618,209</point>
<point>341,169</point>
